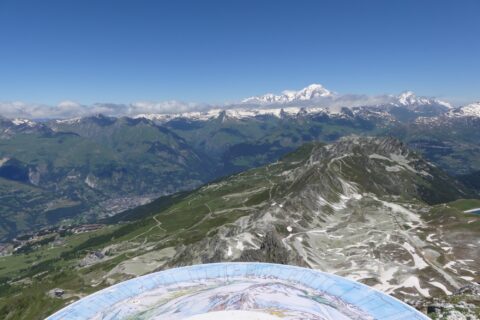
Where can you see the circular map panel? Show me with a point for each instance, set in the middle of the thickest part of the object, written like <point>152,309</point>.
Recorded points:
<point>239,291</point>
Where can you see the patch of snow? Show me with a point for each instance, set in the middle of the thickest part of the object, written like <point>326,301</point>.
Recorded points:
<point>240,245</point>
<point>441,286</point>
<point>69,121</point>
<point>418,261</point>
<point>447,249</point>
<point>400,161</point>
<point>399,209</point>
<point>413,282</point>
<point>379,157</point>
<point>3,160</point>
<point>449,265</point>
<point>394,168</point>
<point>19,122</point>
<point>90,181</point>
<point>385,277</point>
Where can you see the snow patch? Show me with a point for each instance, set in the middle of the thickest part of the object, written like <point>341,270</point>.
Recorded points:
<point>3,160</point>
<point>240,245</point>
<point>394,168</point>
<point>441,286</point>
<point>19,122</point>
<point>418,261</point>
<point>90,181</point>
<point>413,282</point>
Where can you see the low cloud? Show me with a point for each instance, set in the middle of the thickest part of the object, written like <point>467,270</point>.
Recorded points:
<point>355,100</point>
<point>70,109</point>
<point>166,107</point>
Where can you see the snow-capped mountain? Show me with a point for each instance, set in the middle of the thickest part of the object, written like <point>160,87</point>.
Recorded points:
<point>235,113</point>
<point>307,101</point>
<point>311,100</point>
<point>195,115</point>
<point>311,92</point>
<point>26,122</point>
<point>9,127</point>
<point>409,98</point>
<point>17,122</point>
<point>314,92</point>
<point>471,110</point>
<point>468,116</point>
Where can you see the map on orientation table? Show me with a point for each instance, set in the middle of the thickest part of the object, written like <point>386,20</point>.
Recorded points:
<point>239,291</point>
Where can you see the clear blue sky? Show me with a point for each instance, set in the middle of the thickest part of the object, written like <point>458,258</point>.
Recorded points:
<point>210,51</point>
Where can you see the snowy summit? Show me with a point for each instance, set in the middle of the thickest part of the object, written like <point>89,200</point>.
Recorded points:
<point>471,110</point>
<point>409,98</point>
<point>311,92</point>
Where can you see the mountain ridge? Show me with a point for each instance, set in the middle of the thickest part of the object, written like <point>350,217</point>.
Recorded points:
<point>356,207</point>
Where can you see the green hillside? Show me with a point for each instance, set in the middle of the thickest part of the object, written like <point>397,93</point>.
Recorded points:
<point>259,215</point>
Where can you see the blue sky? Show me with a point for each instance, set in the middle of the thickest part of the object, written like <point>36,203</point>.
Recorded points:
<point>211,51</point>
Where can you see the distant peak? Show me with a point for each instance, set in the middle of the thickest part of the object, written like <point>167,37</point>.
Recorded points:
<point>407,95</point>
<point>472,110</point>
<point>409,98</point>
<point>310,92</point>
<point>315,87</point>
<point>26,122</point>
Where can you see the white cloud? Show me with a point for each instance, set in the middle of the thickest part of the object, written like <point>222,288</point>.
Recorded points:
<point>163,107</point>
<point>70,109</point>
<point>68,104</point>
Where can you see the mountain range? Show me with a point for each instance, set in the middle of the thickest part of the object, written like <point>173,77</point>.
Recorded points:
<point>83,169</point>
<point>311,92</point>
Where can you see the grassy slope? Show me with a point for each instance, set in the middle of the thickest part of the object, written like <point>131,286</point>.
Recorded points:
<point>465,204</point>
<point>165,223</point>
<point>125,159</point>
<point>168,222</point>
